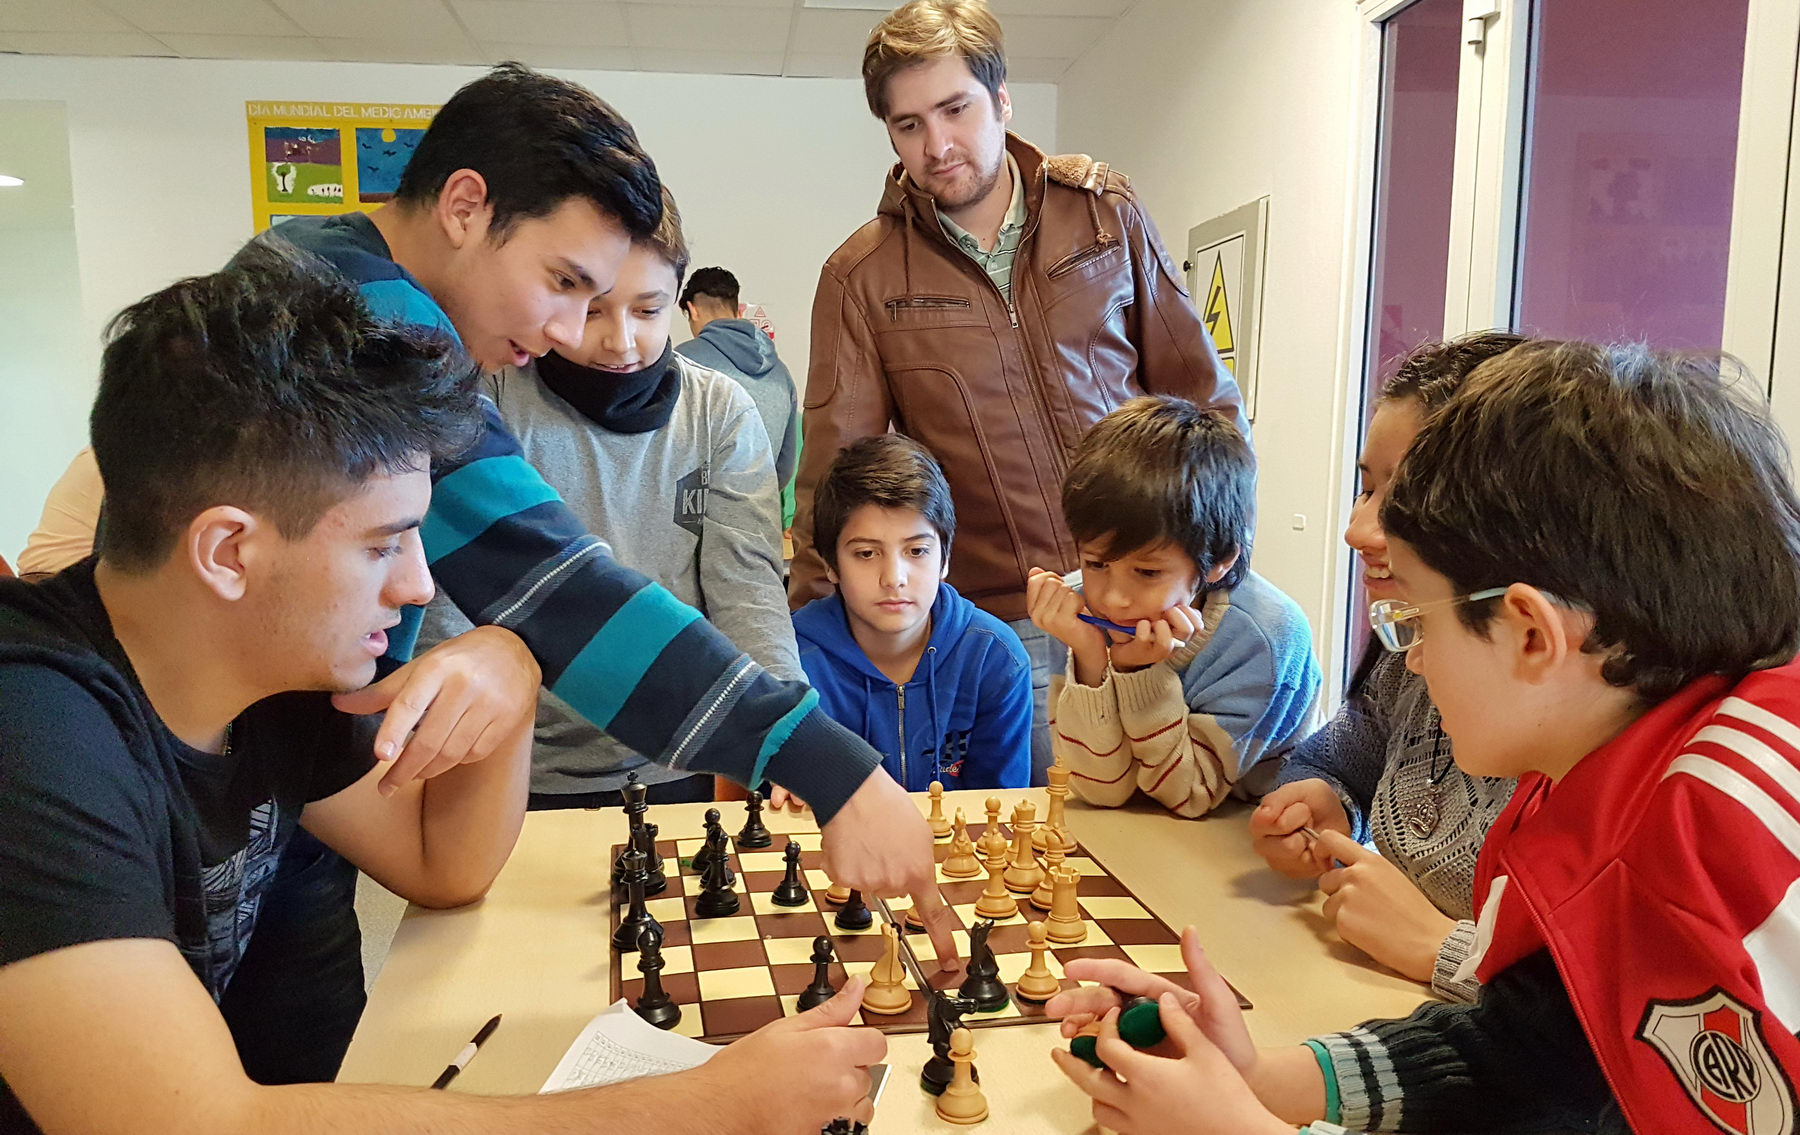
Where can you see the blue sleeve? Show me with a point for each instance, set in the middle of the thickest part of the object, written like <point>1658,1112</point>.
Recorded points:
<point>619,648</point>
<point>1259,687</point>
<point>1000,743</point>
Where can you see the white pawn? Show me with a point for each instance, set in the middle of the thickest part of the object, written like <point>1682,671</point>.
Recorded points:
<point>962,1102</point>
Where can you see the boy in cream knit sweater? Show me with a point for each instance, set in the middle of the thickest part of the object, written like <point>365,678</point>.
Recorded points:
<point>1215,680</point>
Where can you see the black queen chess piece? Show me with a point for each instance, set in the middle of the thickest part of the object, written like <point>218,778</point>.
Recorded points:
<point>654,1004</point>
<point>753,834</point>
<point>791,891</point>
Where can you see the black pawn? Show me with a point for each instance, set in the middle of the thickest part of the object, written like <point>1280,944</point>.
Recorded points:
<point>636,917</point>
<point>707,849</point>
<point>717,899</point>
<point>791,891</point>
<point>820,991</point>
<point>654,1004</point>
<point>855,914</point>
<point>753,833</point>
<point>943,1017</point>
<point>655,882</point>
<point>983,984</point>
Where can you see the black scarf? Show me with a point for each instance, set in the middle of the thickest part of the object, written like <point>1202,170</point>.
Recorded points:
<point>633,403</point>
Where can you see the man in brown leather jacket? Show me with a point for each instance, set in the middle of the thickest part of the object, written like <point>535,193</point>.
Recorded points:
<point>1000,303</point>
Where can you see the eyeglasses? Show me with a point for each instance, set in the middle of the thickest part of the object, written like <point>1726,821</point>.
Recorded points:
<point>1396,623</point>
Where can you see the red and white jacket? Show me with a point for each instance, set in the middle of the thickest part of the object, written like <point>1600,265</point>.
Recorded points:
<point>1663,873</point>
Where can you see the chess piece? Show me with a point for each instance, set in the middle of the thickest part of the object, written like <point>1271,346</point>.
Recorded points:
<point>655,882</point>
<point>634,795</point>
<point>821,989</point>
<point>940,827</point>
<point>636,917</point>
<point>962,1102</point>
<point>1037,984</point>
<point>753,834</point>
<point>706,848</point>
<point>1022,870</point>
<point>791,891</point>
<point>887,994</point>
<point>996,901</point>
<point>717,899</point>
<point>1041,898</point>
<point>837,894</point>
<point>993,840</point>
<point>1064,925</point>
<point>855,914</point>
<point>982,983</point>
<point>1058,776</point>
<point>961,862</point>
<point>720,849</point>
<point>654,1004</point>
<point>909,921</point>
<point>943,1016</point>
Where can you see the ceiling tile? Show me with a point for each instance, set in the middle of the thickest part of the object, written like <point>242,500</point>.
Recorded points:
<point>1052,37</point>
<point>399,20</point>
<point>824,32</point>
<point>730,30</point>
<point>564,58</point>
<point>1036,70</point>
<point>1108,8</point>
<point>784,5</point>
<point>710,62</point>
<point>373,49</point>
<point>205,17</point>
<point>296,47</point>
<point>58,16</point>
<point>550,23</point>
<point>87,43</point>
<point>836,65</point>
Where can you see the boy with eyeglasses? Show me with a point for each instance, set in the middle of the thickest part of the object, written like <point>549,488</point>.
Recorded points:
<point>1599,551</point>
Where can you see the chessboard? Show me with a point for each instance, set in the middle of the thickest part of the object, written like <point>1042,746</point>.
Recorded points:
<point>732,975</point>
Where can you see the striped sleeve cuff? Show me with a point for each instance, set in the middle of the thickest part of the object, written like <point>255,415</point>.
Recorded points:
<point>1458,944</point>
<point>1368,1089</point>
<point>822,761</point>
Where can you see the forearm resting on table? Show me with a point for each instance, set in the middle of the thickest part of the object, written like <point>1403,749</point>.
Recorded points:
<point>1289,1083</point>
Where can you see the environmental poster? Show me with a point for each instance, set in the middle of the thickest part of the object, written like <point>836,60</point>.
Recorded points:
<point>310,159</point>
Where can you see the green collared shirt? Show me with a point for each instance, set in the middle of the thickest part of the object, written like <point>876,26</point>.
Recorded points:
<point>998,263</point>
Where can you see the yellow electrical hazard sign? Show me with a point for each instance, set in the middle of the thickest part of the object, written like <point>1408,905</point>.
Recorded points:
<point>1217,314</point>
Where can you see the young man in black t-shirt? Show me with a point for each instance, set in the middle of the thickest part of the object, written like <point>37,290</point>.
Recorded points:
<point>166,725</point>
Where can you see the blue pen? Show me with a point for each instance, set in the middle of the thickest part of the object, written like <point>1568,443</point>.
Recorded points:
<point>1109,625</point>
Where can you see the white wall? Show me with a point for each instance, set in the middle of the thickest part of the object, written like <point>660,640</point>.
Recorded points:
<point>771,174</point>
<point>1208,105</point>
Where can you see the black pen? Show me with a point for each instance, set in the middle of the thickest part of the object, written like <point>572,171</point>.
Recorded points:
<point>466,1055</point>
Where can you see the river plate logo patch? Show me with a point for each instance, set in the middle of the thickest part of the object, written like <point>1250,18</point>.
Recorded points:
<point>1714,1045</point>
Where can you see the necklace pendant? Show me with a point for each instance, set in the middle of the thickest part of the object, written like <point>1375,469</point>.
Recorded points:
<point>1422,817</point>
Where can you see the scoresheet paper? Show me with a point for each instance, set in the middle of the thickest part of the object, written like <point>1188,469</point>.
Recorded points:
<point>619,1045</point>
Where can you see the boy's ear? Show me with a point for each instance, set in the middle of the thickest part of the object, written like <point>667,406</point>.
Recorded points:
<point>1544,635</point>
<point>463,209</point>
<point>1223,566</point>
<point>220,545</point>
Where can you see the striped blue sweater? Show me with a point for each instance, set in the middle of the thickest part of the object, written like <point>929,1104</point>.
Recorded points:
<point>617,647</point>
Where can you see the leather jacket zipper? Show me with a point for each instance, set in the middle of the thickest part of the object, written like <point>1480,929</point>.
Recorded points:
<point>1082,259</point>
<point>923,303</point>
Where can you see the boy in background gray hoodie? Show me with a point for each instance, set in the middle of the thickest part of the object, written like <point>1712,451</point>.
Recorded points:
<point>738,347</point>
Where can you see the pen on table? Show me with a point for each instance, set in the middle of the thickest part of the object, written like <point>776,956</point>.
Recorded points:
<point>467,1054</point>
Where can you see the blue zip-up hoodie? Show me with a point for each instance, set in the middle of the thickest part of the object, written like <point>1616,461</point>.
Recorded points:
<point>964,718</point>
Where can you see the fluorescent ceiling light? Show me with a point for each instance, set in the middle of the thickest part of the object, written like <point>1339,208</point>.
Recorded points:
<point>8,181</point>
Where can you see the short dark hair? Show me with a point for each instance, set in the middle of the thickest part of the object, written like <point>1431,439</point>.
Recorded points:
<point>668,240</point>
<point>1433,372</point>
<point>887,471</point>
<point>1651,488</point>
<point>713,283</point>
<point>537,141</point>
<point>1161,470</point>
<point>268,386</point>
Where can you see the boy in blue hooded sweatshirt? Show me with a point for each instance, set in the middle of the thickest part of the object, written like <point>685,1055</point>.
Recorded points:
<point>939,687</point>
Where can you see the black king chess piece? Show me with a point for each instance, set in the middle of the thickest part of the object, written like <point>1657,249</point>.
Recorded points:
<point>943,1015</point>
<point>753,833</point>
<point>791,891</point>
<point>855,914</point>
<point>654,1004</point>
<point>634,795</point>
<point>821,991</point>
<point>983,983</point>
<point>636,917</point>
